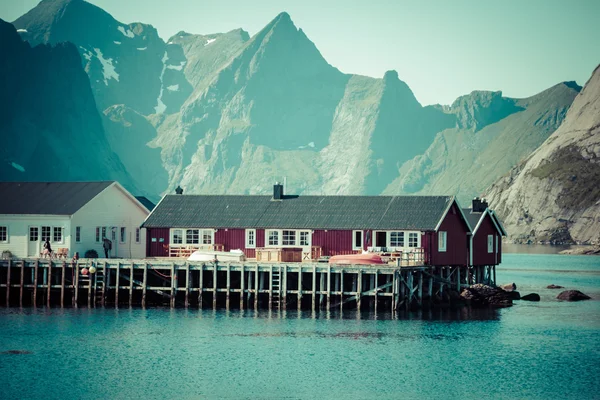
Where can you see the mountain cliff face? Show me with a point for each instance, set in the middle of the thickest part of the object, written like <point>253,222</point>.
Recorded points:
<point>50,126</point>
<point>491,134</point>
<point>554,195</point>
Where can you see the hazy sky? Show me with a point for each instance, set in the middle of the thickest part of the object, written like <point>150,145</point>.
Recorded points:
<point>441,49</point>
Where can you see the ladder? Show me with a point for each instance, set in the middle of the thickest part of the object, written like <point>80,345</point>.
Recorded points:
<point>276,287</point>
<point>99,286</point>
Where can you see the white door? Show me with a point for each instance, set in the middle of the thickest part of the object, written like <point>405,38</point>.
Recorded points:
<point>305,242</point>
<point>33,242</point>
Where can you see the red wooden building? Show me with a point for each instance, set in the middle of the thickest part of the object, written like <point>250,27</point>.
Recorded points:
<point>432,229</point>
<point>486,240</point>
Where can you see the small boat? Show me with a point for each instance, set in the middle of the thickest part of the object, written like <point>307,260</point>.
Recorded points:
<point>223,256</point>
<point>359,259</point>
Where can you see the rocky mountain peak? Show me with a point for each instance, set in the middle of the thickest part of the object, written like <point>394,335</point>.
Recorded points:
<point>481,108</point>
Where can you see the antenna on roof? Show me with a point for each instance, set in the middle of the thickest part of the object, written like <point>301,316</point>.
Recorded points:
<point>285,184</point>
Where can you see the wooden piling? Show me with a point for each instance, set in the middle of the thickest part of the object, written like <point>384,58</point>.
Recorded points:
<point>131,285</point>
<point>395,291</point>
<point>173,285</point>
<point>270,287</point>
<point>8,285</point>
<point>215,286</point>
<point>314,287</point>
<point>76,288</point>
<point>91,287</point>
<point>375,282</point>
<point>62,284</point>
<point>256,287</point>
<point>328,286</point>
<point>200,286</point>
<point>117,281</point>
<point>144,285</point>
<point>49,283</point>
<point>243,288</point>
<point>283,283</point>
<point>299,288</point>
<point>22,283</point>
<point>322,290</point>
<point>187,285</point>
<point>359,289</point>
<point>458,279</point>
<point>228,285</point>
<point>342,289</point>
<point>35,282</point>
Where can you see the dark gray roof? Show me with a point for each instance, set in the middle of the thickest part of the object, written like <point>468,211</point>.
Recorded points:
<point>299,212</point>
<point>48,198</point>
<point>472,218</point>
<point>146,203</point>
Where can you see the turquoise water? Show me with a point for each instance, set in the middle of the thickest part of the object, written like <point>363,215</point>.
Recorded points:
<point>533,350</point>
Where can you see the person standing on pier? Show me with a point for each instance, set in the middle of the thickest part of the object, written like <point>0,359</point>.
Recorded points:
<point>107,245</point>
<point>47,249</point>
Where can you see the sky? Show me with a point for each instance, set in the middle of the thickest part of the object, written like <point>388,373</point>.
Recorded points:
<point>441,49</point>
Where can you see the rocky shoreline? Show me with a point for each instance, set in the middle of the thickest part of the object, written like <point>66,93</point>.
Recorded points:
<point>591,250</point>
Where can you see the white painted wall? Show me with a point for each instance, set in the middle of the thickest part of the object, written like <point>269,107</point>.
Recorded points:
<point>111,208</point>
<point>18,232</point>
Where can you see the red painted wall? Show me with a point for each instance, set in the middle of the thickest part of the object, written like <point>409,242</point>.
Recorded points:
<point>480,248</point>
<point>457,241</point>
<point>333,242</point>
<point>236,239</point>
<point>157,248</point>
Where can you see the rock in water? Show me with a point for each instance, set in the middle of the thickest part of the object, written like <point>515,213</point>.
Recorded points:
<point>554,287</point>
<point>531,297</point>
<point>509,287</point>
<point>480,295</point>
<point>572,295</point>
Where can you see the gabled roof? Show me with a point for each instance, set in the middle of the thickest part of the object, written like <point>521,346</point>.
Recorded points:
<point>145,202</point>
<point>47,198</point>
<point>299,212</point>
<point>475,219</point>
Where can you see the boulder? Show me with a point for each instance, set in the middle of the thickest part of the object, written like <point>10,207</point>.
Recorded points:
<point>554,287</point>
<point>572,295</point>
<point>531,297</point>
<point>480,295</point>
<point>509,287</point>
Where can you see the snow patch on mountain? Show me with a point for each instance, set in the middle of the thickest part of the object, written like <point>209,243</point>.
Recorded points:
<point>209,41</point>
<point>108,68</point>
<point>177,67</point>
<point>160,106</point>
<point>173,88</point>
<point>127,32</point>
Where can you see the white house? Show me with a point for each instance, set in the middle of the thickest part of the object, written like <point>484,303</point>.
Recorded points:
<point>73,216</point>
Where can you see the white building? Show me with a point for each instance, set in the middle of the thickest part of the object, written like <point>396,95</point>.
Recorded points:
<point>73,216</point>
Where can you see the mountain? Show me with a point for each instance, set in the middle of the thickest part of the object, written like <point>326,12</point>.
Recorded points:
<point>51,129</point>
<point>492,133</point>
<point>554,195</point>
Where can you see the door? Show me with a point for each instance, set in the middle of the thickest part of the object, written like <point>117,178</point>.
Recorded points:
<point>305,241</point>
<point>33,242</point>
<point>381,240</point>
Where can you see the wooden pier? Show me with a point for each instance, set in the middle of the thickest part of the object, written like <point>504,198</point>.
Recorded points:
<point>178,283</point>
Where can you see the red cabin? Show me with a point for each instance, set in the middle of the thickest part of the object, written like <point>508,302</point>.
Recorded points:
<point>486,241</point>
<point>429,230</point>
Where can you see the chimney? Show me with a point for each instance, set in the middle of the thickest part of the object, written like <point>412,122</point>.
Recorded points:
<point>277,191</point>
<point>479,205</point>
<point>178,190</point>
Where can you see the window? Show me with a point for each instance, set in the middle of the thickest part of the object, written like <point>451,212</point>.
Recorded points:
<point>45,233</point>
<point>490,243</point>
<point>207,236</point>
<point>397,239</point>
<point>123,234</point>
<point>273,238</point>
<point>192,236</point>
<point>78,234</point>
<point>441,241</point>
<point>103,232</point>
<point>97,234</point>
<point>250,238</point>
<point>3,234</point>
<point>33,233</point>
<point>57,234</point>
<point>289,238</point>
<point>304,238</point>
<point>177,236</point>
<point>357,240</point>
<point>413,239</point>
<point>137,235</point>
<point>113,234</point>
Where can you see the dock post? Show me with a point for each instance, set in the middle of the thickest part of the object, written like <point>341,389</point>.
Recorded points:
<point>494,267</point>
<point>92,285</point>
<point>402,285</point>
<point>243,287</point>
<point>215,286</point>
<point>228,284</point>
<point>76,286</point>
<point>420,299</point>
<point>442,269</point>
<point>22,283</point>
<point>430,288</point>
<point>256,287</point>
<point>283,284</point>
<point>299,287</point>
<point>187,285</point>
<point>342,289</point>
<point>131,285</point>
<point>8,285</point>
<point>328,287</point>
<point>322,290</point>
<point>314,287</point>
<point>458,279</point>
<point>173,285</point>
<point>394,290</point>
<point>270,286</point>
<point>250,286</point>
<point>62,284</point>
<point>49,283</point>
<point>200,286</point>
<point>35,282</point>
<point>145,285</point>
<point>117,281</point>
<point>374,285</point>
<point>359,289</point>
<point>105,283</point>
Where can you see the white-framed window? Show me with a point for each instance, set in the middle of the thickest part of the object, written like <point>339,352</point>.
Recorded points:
<point>490,243</point>
<point>396,239</point>
<point>442,241</point>
<point>113,234</point>
<point>192,236</point>
<point>57,236</point>
<point>250,238</point>
<point>45,233</point>
<point>4,234</point>
<point>288,238</point>
<point>357,240</point>
<point>304,238</point>
<point>176,236</point>
<point>413,239</point>
<point>137,235</point>
<point>97,234</point>
<point>34,233</point>
<point>77,234</point>
<point>207,236</point>
<point>272,237</point>
<point>103,232</point>
<point>123,236</point>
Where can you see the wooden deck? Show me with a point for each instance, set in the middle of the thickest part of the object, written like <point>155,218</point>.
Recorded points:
<point>175,283</point>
